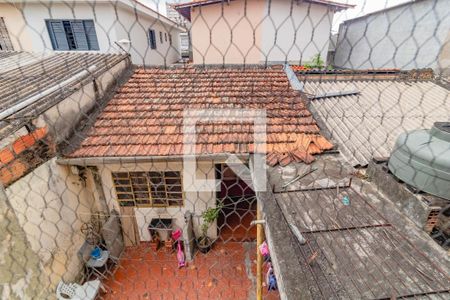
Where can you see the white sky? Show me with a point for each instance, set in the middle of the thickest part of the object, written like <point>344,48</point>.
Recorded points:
<point>363,7</point>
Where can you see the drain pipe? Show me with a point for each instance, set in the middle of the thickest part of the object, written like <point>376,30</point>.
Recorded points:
<point>7,112</point>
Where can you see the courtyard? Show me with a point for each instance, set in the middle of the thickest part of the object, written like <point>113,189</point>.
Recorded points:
<point>228,271</point>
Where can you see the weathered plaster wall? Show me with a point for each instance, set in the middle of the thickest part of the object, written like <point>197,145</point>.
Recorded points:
<point>51,204</point>
<point>408,37</point>
<point>21,275</point>
<point>195,202</point>
<point>62,118</point>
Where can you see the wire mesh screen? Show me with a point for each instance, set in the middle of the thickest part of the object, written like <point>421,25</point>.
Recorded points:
<point>240,149</point>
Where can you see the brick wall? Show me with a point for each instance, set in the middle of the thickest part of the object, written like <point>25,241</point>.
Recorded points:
<point>24,155</point>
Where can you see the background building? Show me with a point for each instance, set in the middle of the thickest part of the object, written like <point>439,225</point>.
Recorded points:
<point>98,25</point>
<point>412,35</point>
<point>256,31</point>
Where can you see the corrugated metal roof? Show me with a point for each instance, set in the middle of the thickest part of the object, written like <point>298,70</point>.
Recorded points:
<point>367,124</point>
<point>10,60</point>
<point>29,74</point>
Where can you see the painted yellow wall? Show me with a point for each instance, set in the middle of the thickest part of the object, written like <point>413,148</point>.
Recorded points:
<point>259,31</point>
<point>226,33</point>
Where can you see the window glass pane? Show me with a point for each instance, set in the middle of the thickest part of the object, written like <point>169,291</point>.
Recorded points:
<point>143,202</point>
<point>79,35</point>
<point>124,196</point>
<point>159,202</point>
<point>172,174</point>
<point>57,35</point>
<point>175,203</point>
<point>69,35</point>
<point>175,195</point>
<point>152,38</point>
<point>174,188</point>
<point>121,181</point>
<point>122,189</point>
<point>91,35</point>
<point>149,188</point>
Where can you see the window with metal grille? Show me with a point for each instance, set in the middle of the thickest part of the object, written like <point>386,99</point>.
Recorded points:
<point>152,38</point>
<point>5,41</point>
<point>147,189</point>
<point>72,35</point>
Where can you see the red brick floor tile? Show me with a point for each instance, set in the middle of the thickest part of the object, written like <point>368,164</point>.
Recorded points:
<point>220,274</point>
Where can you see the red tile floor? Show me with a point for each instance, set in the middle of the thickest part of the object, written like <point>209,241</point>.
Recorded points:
<point>226,272</point>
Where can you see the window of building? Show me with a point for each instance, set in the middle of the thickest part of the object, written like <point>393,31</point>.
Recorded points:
<point>161,37</point>
<point>152,38</point>
<point>170,38</point>
<point>5,41</point>
<point>165,36</point>
<point>72,34</point>
<point>148,189</point>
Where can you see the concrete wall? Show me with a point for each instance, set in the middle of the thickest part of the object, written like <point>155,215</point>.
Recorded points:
<point>113,22</point>
<point>407,37</point>
<point>195,202</point>
<point>254,31</point>
<point>51,204</point>
<point>21,272</point>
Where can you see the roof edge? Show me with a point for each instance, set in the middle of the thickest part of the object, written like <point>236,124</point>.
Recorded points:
<point>184,9</point>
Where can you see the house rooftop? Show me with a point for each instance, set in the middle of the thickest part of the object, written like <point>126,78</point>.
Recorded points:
<point>31,83</point>
<point>359,250</point>
<point>365,111</point>
<point>185,8</point>
<point>145,117</point>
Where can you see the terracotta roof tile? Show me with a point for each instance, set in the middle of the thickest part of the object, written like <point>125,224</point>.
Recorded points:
<point>145,117</point>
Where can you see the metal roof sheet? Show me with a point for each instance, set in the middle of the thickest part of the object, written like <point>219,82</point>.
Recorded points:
<point>29,74</point>
<point>367,124</point>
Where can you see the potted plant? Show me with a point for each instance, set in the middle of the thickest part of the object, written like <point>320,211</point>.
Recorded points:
<point>205,243</point>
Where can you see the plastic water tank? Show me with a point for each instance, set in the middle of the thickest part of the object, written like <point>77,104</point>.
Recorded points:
<point>421,158</point>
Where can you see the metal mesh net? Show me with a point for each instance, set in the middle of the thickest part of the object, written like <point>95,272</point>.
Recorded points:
<point>240,149</point>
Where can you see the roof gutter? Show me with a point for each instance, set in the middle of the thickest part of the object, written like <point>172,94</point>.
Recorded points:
<point>92,161</point>
<point>77,77</point>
